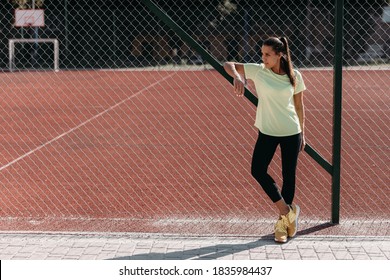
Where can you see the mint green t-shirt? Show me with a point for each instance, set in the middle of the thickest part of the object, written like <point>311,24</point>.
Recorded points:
<point>276,114</point>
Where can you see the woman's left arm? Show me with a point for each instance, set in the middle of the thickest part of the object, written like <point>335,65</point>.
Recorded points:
<point>300,109</point>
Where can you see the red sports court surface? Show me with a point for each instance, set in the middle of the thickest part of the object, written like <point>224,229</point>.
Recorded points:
<point>169,152</point>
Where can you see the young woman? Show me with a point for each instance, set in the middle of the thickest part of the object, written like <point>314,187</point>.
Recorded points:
<point>280,121</point>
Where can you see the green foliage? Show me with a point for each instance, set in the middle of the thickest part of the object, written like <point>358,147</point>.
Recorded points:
<point>27,4</point>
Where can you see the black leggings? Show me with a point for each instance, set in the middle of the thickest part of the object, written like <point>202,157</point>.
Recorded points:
<point>264,151</point>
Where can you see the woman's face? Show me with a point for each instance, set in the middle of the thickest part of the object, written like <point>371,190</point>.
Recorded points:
<point>270,57</point>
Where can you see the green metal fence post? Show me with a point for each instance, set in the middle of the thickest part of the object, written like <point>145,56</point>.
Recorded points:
<point>337,107</point>
<point>195,45</point>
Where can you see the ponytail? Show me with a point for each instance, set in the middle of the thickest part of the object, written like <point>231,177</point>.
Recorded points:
<point>281,45</point>
<point>286,63</point>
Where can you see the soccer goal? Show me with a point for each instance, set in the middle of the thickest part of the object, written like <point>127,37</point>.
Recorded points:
<point>15,42</point>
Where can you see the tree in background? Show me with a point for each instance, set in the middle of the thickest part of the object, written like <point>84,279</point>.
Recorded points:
<point>27,4</point>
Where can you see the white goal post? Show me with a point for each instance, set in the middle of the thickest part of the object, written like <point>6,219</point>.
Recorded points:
<point>11,45</point>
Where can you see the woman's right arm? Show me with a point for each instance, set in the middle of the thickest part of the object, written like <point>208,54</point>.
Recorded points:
<point>236,70</point>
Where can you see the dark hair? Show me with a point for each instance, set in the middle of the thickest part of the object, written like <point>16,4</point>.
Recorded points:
<point>281,45</point>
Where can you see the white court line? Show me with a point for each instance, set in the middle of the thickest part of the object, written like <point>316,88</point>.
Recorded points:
<point>82,124</point>
<point>226,220</point>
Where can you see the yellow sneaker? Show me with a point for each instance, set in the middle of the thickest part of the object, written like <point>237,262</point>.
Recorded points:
<point>292,220</point>
<point>281,229</point>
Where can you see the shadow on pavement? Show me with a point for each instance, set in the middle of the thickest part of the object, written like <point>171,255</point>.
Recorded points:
<point>219,250</point>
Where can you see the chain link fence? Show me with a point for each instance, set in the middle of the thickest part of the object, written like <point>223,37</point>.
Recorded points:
<point>137,132</point>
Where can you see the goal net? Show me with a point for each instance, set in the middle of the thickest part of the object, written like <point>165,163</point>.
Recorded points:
<point>33,52</point>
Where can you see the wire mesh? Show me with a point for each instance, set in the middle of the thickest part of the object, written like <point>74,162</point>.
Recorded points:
<point>138,133</point>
